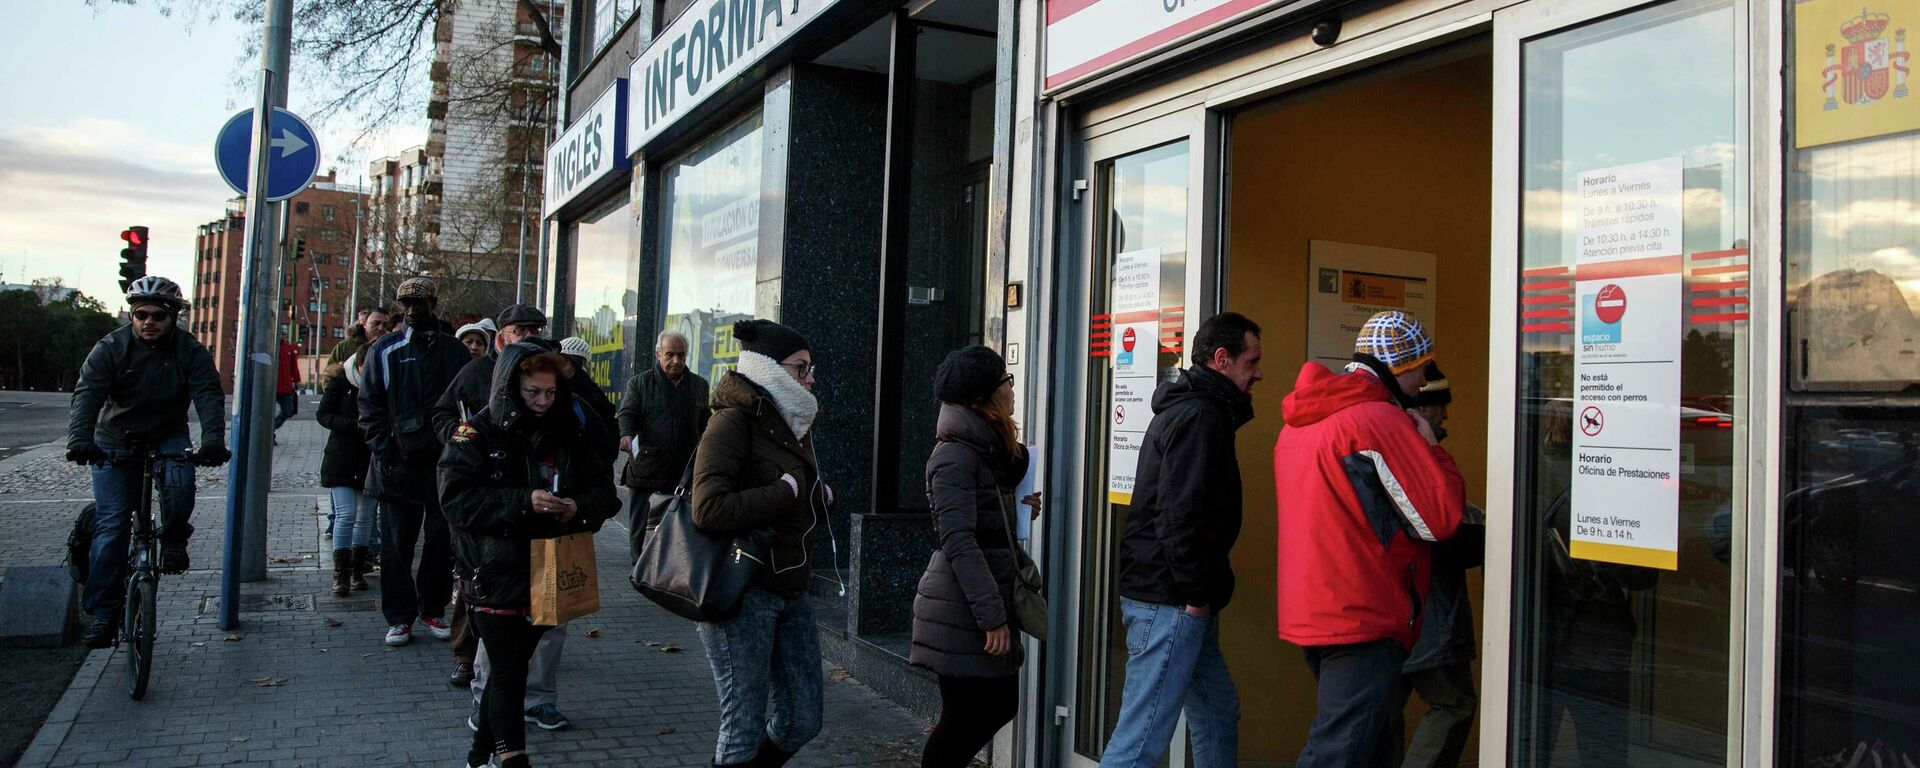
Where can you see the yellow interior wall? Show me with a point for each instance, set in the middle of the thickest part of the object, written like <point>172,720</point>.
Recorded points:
<point>1395,161</point>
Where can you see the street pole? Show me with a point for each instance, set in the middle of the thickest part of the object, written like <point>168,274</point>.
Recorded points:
<point>353,272</point>
<point>256,355</point>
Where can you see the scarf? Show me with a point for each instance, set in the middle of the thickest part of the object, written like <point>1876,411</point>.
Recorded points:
<point>796,405</point>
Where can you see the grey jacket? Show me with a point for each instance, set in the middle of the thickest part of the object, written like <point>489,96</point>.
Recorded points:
<point>665,421</point>
<point>1446,624</point>
<point>969,582</point>
<point>129,390</point>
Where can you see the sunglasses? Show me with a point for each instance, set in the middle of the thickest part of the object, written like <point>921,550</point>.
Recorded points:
<point>144,315</point>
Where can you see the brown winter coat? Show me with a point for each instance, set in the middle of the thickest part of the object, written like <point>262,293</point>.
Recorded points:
<point>737,487</point>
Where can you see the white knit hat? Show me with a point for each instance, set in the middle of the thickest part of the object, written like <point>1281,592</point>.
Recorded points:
<point>576,347</point>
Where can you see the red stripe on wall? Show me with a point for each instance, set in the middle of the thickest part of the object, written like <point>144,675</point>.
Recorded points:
<point>1544,271</point>
<point>1723,270</point>
<point>1722,318</point>
<point>1536,314</point>
<point>1143,316</point>
<point>1719,301</point>
<point>1710,255</point>
<point>1548,328</point>
<point>1538,300</point>
<point>1558,285</point>
<point>1727,285</point>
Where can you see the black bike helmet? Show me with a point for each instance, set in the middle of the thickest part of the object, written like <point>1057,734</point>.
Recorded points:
<point>154,288</point>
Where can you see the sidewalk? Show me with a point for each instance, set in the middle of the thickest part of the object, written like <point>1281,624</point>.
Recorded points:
<point>307,682</point>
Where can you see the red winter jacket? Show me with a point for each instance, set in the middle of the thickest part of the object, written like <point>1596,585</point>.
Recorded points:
<point>1362,497</point>
<point>289,369</point>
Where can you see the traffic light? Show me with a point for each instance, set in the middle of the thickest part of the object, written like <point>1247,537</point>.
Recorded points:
<point>300,248</point>
<point>133,258</point>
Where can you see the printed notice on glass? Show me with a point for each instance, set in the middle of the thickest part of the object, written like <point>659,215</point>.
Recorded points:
<point>1352,283</point>
<point>1627,333</point>
<point>1135,350</point>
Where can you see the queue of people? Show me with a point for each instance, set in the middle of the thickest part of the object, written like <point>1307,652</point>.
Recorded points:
<point>475,443</point>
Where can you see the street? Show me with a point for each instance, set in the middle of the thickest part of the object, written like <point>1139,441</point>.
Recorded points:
<point>28,419</point>
<point>305,681</point>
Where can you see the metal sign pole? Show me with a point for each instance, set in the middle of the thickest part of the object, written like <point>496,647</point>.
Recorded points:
<point>252,463</point>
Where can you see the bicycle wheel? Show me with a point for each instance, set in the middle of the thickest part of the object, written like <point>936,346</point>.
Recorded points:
<point>139,633</point>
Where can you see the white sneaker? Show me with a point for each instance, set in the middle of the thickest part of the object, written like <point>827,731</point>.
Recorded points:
<point>439,628</point>
<point>399,635</point>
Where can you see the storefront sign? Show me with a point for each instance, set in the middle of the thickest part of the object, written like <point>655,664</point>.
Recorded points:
<point>1087,37</point>
<point>706,48</point>
<point>1626,400</point>
<point>1850,70</point>
<point>1353,282</point>
<point>1136,363</point>
<point>591,149</point>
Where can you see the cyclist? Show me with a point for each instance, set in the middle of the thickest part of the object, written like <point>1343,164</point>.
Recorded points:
<point>134,387</point>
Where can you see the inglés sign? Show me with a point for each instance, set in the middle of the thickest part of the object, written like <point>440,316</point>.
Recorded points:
<point>706,48</point>
<point>595,145</point>
<point>1626,366</point>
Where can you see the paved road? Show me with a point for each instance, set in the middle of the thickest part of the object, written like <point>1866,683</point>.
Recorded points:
<point>28,419</point>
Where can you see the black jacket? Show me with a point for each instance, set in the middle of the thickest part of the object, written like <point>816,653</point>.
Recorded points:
<point>473,385</point>
<point>129,390</point>
<point>489,470</point>
<point>1186,495</point>
<point>737,488</point>
<point>665,421</point>
<point>406,371</point>
<point>344,464</point>
<point>968,586</point>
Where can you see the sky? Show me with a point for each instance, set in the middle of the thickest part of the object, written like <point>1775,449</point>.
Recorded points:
<point>110,117</point>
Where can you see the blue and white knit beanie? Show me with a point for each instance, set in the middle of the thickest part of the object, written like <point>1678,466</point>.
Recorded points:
<point>1395,339</point>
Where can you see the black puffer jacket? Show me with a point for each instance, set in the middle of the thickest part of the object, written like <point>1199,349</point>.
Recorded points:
<point>344,464</point>
<point>489,470</point>
<point>737,487</point>
<point>1186,500</point>
<point>968,586</point>
<point>130,390</point>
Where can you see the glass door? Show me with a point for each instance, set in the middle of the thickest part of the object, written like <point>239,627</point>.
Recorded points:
<point>1135,211</point>
<point>1626,227</point>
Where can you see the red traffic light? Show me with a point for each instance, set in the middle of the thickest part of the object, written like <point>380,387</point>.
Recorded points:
<point>135,236</point>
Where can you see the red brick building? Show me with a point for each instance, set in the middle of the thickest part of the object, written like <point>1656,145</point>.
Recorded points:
<point>315,306</point>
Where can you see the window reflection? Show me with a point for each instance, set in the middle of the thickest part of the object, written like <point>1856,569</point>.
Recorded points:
<point>604,299</point>
<point>710,203</point>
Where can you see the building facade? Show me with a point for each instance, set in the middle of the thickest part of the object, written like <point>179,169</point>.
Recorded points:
<point>316,302</point>
<point>1666,250</point>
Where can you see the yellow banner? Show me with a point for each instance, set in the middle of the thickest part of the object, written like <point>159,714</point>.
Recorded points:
<point>1851,70</point>
<point>1664,559</point>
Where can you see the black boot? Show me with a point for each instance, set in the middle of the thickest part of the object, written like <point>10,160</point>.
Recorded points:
<point>97,632</point>
<point>771,756</point>
<point>342,572</point>
<point>360,568</point>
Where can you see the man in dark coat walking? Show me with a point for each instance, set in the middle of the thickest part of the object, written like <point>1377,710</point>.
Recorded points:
<point>662,414</point>
<point>1174,570</point>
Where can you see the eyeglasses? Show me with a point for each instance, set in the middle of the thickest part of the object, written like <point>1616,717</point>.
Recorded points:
<point>802,370</point>
<point>155,315</point>
<point>1007,379</point>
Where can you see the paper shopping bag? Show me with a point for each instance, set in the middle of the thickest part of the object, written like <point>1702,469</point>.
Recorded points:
<point>564,582</point>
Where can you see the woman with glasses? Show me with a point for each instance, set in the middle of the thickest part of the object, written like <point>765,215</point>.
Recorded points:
<point>964,627</point>
<point>755,473</point>
<point>522,468</point>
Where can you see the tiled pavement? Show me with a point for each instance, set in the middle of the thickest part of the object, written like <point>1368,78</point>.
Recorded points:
<point>306,681</point>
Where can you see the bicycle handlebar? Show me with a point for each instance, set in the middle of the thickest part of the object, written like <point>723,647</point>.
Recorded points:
<point>123,456</point>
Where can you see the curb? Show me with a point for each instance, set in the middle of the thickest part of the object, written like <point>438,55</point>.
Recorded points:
<point>53,732</point>
<point>15,462</point>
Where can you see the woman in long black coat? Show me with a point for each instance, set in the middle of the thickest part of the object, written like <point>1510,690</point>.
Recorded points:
<point>964,625</point>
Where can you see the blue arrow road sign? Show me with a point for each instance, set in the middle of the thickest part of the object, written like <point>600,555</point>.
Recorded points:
<point>293,153</point>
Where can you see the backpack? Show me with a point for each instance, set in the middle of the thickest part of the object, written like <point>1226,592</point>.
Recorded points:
<point>80,545</point>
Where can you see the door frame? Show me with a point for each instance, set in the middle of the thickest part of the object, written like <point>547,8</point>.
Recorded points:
<point>1081,199</point>
<point>1752,655</point>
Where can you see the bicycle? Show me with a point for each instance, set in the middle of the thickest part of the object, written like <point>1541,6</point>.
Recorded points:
<point>139,623</point>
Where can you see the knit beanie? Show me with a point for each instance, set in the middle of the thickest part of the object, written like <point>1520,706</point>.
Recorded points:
<point>969,375</point>
<point>1437,391</point>
<point>766,337</point>
<point>1396,339</point>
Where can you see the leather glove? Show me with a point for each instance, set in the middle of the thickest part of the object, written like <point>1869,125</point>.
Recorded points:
<point>86,453</point>
<point>211,454</point>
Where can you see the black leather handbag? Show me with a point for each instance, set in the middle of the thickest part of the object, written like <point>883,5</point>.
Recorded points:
<point>695,574</point>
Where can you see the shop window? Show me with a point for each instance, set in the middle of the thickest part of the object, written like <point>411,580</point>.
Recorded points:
<point>605,299</point>
<point>710,242</point>
<point>1850,441</point>
<point>1632,387</point>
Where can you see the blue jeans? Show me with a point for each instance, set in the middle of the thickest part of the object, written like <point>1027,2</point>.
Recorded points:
<point>1357,705</point>
<point>1174,664</point>
<point>770,651</point>
<point>116,494</point>
<point>352,517</point>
